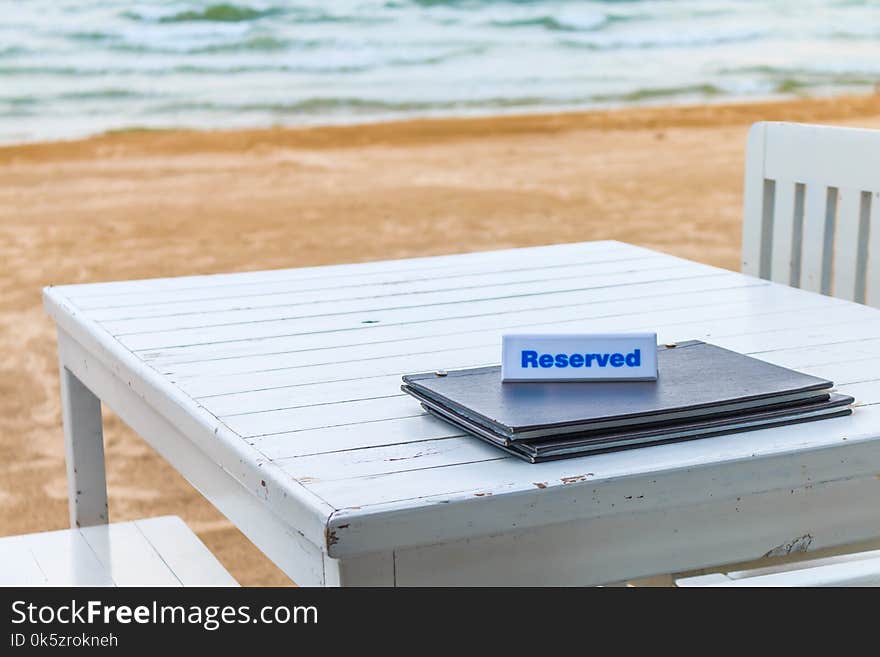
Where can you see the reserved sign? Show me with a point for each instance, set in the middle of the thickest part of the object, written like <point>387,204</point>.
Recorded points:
<point>579,357</point>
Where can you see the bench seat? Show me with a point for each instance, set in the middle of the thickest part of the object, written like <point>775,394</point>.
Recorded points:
<point>857,569</point>
<point>152,552</point>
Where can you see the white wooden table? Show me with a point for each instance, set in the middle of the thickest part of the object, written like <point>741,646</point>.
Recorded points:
<point>277,395</point>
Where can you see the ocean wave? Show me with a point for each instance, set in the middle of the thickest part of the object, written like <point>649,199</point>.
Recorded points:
<point>648,42</point>
<point>91,36</point>
<point>472,4</point>
<point>555,24</point>
<point>704,90</point>
<point>17,114</point>
<point>567,21</point>
<point>346,105</point>
<point>224,67</point>
<point>219,13</point>
<point>436,59</point>
<point>802,85</point>
<point>49,70</point>
<point>306,55</point>
<point>871,34</point>
<point>19,101</point>
<point>334,105</point>
<point>816,74</point>
<point>256,44</point>
<point>231,13</point>
<point>94,94</point>
<point>12,50</point>
<point>101,94</point>
<point>801,81</point>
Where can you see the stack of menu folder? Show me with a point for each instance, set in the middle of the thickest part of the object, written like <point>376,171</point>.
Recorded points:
<point>702,390</point>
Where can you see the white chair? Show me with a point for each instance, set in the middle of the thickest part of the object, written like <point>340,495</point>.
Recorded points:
<point>859,569</point>
<point>153,552</point>
<point>810,220</point>
<point>812,209</point>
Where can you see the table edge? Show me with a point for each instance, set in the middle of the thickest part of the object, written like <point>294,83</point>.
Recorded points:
<point>303,510</point>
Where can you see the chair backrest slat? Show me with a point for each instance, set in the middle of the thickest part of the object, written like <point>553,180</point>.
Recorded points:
<point>783,264</point>
<point>846,243</point>
<point>872,277</point>
<point>811,202</point>
<point>813,261</point>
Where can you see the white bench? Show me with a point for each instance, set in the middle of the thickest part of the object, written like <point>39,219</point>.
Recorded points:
<point>859,569</point>
<point>153,552</point>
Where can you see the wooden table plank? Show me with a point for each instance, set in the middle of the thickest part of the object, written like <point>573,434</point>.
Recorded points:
<point>456,481</point>
<point>754,341</point>
<point>334,316</point>
<point>388,331</point>
<point>482,259</point>
<point>735,302</point>
<point>268,301</point>
<point>230,393</point>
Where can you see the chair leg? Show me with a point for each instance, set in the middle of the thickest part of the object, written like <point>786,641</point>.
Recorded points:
<point>84,448</point>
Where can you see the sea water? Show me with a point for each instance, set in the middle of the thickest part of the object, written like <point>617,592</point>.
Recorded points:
<point>75,67</point>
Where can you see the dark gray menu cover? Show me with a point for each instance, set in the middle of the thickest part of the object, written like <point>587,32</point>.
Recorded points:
<point>582,443</point>
<point>696,380</point>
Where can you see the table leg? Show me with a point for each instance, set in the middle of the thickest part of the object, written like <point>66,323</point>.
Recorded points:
<point>84,447</point>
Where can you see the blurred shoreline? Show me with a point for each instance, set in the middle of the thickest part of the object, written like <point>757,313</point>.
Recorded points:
<point>154,141</point>
<point>143,204</point>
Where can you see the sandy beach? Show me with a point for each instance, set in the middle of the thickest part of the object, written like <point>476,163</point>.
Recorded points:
<point>143,204</point>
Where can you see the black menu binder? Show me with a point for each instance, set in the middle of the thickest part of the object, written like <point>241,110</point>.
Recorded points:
<point>579,444</point>
<point>702,390</point>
